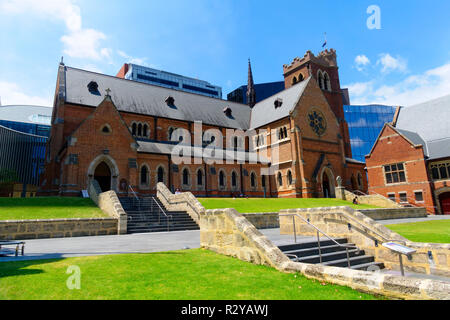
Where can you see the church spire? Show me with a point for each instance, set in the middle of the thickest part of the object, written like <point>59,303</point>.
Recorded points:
<point>251,95</point>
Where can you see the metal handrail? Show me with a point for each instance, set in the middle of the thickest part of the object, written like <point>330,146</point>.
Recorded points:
<point>293,215</point>
<point>164,213</point>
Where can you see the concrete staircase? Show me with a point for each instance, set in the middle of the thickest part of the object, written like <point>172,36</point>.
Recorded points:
<point>145,215</point>
<point>332,254</point>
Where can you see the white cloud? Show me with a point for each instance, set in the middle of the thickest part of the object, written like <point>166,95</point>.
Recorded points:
<point>361,61</point>
<point>134,60</point>
<point>357,142</point>
<point>389,63</point>
<point>414,89</point>
<point>11,94</point>
<point>79,42</point>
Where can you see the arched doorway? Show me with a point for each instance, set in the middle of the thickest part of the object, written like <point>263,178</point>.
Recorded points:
<point>103,176</point>
<point>328,184</point>
<point>354,185</point>
<point>444,199</point>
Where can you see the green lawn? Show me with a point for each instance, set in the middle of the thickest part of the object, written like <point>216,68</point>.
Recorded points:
<point>434,231</point>
<point>273,204</point>
<point>177,275</point>
<point>48,208</point>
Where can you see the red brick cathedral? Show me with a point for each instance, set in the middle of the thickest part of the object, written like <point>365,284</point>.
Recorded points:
<point>125,134</point>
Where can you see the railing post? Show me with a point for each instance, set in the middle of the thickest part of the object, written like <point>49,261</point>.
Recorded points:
<point>320,249</point>
<point>295,232</point>
<point>348,258</point>
<point>402,270</point>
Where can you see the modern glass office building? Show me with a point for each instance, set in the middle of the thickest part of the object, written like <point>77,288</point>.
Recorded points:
<point>170,80</point>
<point>364,124</point>
<point>24,131</point>
<point>262,91</point>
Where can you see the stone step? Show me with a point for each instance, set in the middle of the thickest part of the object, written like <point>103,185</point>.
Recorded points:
<point>353,261</point>
<point>333,256</point>
<point>310,244</point>
<point>162,229</point>
<point>315,250</point>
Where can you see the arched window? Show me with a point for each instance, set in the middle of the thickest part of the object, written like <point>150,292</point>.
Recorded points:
<point>280,179</point>
<point>253,180</point>
<point>145,131</point>
<point>320,79</point>
<point>221,179</point>
<point>289,174</point>
<point>160,174</point>
<point>106,129</point>
<point>139,133</point>
<point>144,175</point>
<point>263,181</point>
<point>294,80</point>
<point>326,82</point>
<point>360,182</point>
<point>186,177</point>
<point>233,179</point>
<point>199,177</point>
<point>134,128</point>
<point>235,143</point>
<point>300,78</point>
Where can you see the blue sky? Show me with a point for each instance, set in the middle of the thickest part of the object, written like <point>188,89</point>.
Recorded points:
<point>405,62</point>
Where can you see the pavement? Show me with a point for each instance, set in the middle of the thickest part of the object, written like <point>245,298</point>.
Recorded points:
<point>409,220</point>
<point>102,245</point>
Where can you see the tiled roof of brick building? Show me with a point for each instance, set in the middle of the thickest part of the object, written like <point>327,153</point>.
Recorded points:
<point>428,124</point>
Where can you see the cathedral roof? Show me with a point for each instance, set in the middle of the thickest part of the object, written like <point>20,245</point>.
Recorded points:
<point>88,88</point>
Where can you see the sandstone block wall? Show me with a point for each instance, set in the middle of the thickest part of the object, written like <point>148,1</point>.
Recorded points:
<point>369,235</point>
<point>394,213</point>
<point>56,228</point>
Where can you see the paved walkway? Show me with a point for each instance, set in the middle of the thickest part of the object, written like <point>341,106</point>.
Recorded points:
<point>100,245</point>
<point>409,220</point>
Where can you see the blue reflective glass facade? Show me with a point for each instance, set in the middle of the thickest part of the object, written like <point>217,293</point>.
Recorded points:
<point>364,125</point>
<point>36,129</point>
<point>262,91</point>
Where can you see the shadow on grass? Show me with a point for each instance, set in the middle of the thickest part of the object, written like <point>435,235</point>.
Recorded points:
<point>18,268</point>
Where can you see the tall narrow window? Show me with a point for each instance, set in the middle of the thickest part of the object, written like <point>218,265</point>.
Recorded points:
<point>199,177</point>
<point>234,179</point>
<point>253,180</point>
<point>221,179</point>
<point>134,129</point>
<point>145,131</point>
<point>144,176</point>
<point>139,133</point>
<point>289,177</point>
<point>186,177</point>
<point>280,179</point>
<point>160,174</point>
<point>263,181</point>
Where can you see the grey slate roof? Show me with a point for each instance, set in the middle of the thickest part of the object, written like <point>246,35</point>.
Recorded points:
<point>26,114</point>
<point>264,111</point>
<point>219,154</point>
<point>428,124</point>
<point>135,97</point>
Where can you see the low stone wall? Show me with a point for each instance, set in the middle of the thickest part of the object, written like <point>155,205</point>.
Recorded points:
<point>263,220</point>
<point>227,232</point>
<point>56,228</point>
<point>394,213</point>
<point>368,235</point>
<point>109,203</point>
<point>185,201</point>
<point>373,199</point>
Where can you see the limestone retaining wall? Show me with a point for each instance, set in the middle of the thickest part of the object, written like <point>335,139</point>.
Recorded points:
<point>185,201</point>
<point>394,213</point>
<point>373,200</point>
<point>263,220</point>
<point>369,235</point>
<point>56,228</point>
<point>227,232</point>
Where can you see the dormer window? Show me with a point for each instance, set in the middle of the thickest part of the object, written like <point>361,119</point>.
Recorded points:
<point>278,103</point>
<point>170,101</point>
<point>93,87</point>
<point>228,112</point>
